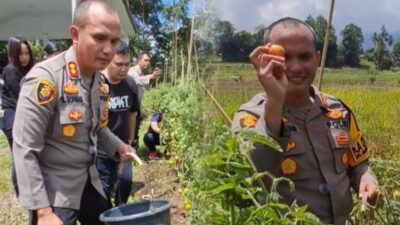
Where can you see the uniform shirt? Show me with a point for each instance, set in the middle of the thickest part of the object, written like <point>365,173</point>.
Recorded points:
<point>142,80</point>
<point>123,101</point>
<point>10,91</point>
<point>59,118</point>
<point>316,154</point>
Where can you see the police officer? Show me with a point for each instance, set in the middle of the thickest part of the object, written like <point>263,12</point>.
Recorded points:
<point>61,113</point>
<point>324,153</point>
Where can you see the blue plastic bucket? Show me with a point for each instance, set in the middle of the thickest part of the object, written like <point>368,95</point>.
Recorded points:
<point>139,213</point>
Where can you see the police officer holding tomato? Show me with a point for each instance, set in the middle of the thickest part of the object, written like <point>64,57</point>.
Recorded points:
<point>323,152</point>
<point>62,113</point>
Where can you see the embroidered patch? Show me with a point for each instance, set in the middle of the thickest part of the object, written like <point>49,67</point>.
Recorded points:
<point>73,70</point>
<point>291,145</point>
<point>345,159</point>
<point>103,123</point>
<point>343,139</point>
<point>247,120</point>
<point>334,114</point>
<point>103,88</point>
<point>288,166</point>
<point>75,114</point>
<point>105,111</point>
<point>45,91</point>
<point>358,151</point>
<point>71,88</point>
<point>68,130</point>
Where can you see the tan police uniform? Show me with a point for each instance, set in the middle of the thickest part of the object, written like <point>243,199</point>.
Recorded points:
<point>142,80</point>
<point>324,153</point>
<point>58,121</point>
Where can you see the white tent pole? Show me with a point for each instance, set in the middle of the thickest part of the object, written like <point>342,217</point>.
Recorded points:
<point>73,6</point>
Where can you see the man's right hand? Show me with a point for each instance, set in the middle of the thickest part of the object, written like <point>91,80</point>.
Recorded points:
<point>271,73</point>
<point>46,216</point>
<point>156,73</point>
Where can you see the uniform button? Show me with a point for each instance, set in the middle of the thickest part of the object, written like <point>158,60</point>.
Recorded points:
<point>323,188</point>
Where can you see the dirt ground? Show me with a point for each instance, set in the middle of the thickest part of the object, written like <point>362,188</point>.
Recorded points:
<point>160,177</point>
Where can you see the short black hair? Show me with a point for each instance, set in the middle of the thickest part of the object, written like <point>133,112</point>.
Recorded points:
<point>123,49</point>
<point>141,54</point>
<point>288,21</point>
<point>83,7</point>
<point>52,46</point>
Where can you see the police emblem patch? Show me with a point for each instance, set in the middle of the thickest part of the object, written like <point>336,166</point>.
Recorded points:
<point>288,166</point>
<point>71,88</point>
<point>247,120</point>
<point>334,114</point>
<point>75,114</point>
<point>68,130</point>
<point>291,145</point>
<point>103,88</point>
<point>45,91</point>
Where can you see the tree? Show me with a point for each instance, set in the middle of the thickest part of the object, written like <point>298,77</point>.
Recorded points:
<point>320,25</point>
<point>396,53</point>
<point>223,39</point>
<point>382,42</point>
<point>259,34</point>
<point>352,38</point>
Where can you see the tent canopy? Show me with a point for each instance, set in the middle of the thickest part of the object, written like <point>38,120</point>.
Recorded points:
<point>49,19</point>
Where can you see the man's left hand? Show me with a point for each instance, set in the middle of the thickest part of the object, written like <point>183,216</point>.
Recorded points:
<point>369,189</point>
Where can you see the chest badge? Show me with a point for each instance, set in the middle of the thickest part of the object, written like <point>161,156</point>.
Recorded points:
<point>68,130</point>
<point>73,70</point>
<point>343,139</point>
<point>288,166</point>
<point>71,88</point>
<point>291,145</point>
<point>334,114</point>
<point>103,88</point>
<point>75,114</point>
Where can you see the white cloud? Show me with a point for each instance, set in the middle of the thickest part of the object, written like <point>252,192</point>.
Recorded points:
<point>370,15</point>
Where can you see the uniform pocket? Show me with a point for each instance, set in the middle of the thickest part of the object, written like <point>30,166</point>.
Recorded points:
<point>339,140</point>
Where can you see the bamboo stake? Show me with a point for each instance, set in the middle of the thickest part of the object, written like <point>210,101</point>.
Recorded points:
<point>219,107</point>
<point>189,66</point>
<point>326,41</point>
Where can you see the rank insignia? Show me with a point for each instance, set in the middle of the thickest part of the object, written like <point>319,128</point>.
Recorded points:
<point>71,88</point>
<point>334,114</point>
<point>288,166</point>
<point>344,159</point>
<point>45,91</point>
<point>103,88</point>
<point>247,120</point>
<point>105,111</point>
<point>343,139</point>
<point>103,123</point>
<point>284,119</point>
<point>291,145</point>
<point>75,114</point>
<point>73,70</point>
<point>324,101</point>
<point>68,130</point>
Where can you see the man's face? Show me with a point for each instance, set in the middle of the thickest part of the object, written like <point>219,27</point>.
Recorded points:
<point>97,40</point>
<point>118,68</point>
<point>301,58</point>
<point>144,62</point>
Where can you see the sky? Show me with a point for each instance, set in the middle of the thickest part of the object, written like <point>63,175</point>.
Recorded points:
<point>370,15</point>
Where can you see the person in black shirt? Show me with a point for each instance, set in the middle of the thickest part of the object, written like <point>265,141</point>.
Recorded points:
<point>20,61</point>
<point>123,108</point>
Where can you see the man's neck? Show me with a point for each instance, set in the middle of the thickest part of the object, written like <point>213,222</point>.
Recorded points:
<point>299,99</point>
<point>110,80</point>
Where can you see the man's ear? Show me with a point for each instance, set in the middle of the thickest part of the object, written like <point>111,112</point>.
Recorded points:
<point>74,33</point>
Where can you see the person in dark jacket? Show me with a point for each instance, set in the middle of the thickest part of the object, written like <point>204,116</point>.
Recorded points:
<point>20,61</point>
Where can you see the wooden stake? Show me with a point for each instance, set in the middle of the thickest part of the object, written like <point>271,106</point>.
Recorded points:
<point>326,41</point>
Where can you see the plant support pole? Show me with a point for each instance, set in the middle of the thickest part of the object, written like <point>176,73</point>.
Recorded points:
<point>326,41</point>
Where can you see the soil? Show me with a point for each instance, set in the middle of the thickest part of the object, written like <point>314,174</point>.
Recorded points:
<point>158,179</point>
